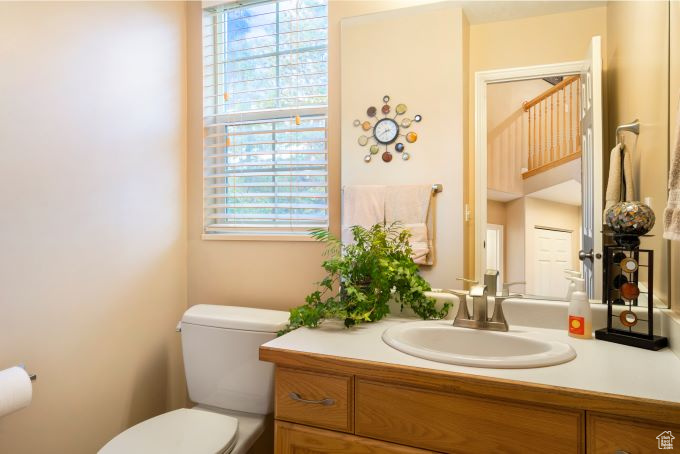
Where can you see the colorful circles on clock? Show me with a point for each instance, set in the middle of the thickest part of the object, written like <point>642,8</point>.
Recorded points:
<point>411,137</point>
<point>387,156</point>
<point>386,99</point>
<point>367,158</point>
<point>366,125</point>
<point>385,109</point>
<point>356,123</point>
<point>371,111</point>
<point>363,140</point>
<point>417,118</point>
<point>374,149</point>
<point>399,147</point>
<point>405,123</point>
<point>400,109</point>
<point>405,156</point>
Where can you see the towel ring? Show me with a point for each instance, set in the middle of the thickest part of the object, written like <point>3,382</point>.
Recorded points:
<point>633,127</point>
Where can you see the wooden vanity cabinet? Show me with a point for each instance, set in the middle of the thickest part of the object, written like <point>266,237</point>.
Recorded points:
<point>333,405</point>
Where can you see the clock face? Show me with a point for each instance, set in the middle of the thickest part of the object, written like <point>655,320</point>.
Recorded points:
<point>386,130</point>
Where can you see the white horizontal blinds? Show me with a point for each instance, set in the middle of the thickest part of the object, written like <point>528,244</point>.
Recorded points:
<point>265,171</point>
<point>266,55</point>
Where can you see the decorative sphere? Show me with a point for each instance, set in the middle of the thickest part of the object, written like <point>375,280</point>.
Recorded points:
<point>631,218</point>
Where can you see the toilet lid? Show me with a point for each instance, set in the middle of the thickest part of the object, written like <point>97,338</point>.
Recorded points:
<point>183,431</point>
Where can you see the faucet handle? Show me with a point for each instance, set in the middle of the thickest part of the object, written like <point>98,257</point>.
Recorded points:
<point>478,290</point>
<point>506,287</point>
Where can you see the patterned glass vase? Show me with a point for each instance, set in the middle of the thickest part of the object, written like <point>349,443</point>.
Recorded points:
<point>630,218</point>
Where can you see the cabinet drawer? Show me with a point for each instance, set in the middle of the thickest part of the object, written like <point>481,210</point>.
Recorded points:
<point>315,399</point>
<point>456,424</point>
<point>608,435</point>
<point>294,439</point>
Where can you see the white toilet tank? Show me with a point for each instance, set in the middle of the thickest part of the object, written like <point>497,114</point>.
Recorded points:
<point>220,347</point>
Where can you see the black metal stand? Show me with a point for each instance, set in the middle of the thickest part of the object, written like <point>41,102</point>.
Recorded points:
<point>622,263</point>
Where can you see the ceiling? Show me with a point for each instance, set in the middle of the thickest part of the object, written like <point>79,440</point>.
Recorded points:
<point>568,192</point>
<point>481,12</point>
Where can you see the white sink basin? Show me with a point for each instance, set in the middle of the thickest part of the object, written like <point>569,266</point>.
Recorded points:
<point>441,342</point>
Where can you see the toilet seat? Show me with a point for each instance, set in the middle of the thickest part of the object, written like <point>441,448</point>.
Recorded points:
<point>183,431</point>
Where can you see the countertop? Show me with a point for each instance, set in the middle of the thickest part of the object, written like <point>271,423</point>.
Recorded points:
<point>600,366</point>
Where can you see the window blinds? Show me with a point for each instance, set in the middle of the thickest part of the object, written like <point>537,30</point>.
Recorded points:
<point>265,125</point>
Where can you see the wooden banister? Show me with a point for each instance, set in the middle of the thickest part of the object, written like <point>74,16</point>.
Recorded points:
<point>553,136</point>
<point>567,80</point>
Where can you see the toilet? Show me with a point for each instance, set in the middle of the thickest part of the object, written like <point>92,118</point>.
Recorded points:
<point>232,388</point>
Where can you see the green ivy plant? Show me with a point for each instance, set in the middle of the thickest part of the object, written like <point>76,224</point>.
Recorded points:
<point>363,277</point>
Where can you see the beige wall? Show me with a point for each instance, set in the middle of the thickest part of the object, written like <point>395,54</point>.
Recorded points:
<point>92,184</point>
<point>507,146</point>
<point>430,84</point>
<point>515,250</point>
<point>524,42</point>
<point>637,57</point>
<point>269,274</point>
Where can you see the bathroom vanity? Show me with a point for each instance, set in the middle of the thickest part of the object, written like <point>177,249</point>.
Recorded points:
<point>340,391</point>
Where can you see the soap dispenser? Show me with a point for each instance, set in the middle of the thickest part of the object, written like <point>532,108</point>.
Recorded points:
<point>572,285</point>
<point>580,314</point>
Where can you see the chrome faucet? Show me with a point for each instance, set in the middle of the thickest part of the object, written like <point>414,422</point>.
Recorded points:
<point>480,294</point>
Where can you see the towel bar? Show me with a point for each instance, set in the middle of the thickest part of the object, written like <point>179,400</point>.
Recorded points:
<point>437,188</point>
<point>633,127</point>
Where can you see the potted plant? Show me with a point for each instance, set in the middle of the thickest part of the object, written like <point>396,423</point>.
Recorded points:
<point>363,277</point>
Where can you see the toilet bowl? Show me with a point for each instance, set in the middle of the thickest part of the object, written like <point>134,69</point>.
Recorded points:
<point>232,387</point>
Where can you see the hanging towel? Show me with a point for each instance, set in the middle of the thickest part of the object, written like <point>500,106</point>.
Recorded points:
<point>613,194</point>
<point>671,216</point>
<point>410,206</point>
<point>628,181</point>
<point>617,180</point>
<point>363,206</point>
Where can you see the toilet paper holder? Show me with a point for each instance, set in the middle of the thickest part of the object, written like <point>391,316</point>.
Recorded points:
<point>33,377</point>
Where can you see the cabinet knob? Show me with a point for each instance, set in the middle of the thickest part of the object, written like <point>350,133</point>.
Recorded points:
<point>327,401</point>
<point>618,451</point>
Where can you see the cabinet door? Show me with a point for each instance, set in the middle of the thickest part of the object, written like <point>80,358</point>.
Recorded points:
<point>607,435</point>
<point>458,424</point>
<point>297,439</point>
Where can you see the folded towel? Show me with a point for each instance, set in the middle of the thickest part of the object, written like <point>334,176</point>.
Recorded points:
<point>671,216</point>
<point>629,196</point>
<point>363,206</point>
<point>613,194</point>
<point>410,206</point>
<point>420,241</point>
<point>617,181</point>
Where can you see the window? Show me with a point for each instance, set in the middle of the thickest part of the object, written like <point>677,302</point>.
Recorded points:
<point>265,125</point>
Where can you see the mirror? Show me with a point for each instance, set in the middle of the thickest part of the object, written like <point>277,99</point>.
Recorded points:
<point>534,220</point>
<point>534,189</point>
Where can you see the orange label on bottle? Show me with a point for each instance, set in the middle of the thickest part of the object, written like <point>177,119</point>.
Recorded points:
<point>576,325</point>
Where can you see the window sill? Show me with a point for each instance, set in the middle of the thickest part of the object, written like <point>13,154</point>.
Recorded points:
<point>281,237</point>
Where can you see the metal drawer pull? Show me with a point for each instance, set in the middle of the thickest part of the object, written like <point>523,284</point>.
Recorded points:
<point>621,452</point>
<point>327,401</point>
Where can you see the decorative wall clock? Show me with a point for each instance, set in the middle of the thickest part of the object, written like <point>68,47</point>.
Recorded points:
<point>386,130</point>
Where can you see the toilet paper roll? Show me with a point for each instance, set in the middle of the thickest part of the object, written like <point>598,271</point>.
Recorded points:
<point>16,390</point>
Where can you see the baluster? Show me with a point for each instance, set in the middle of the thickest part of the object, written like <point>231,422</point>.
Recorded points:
<point>535,163</point>
<point>579,104</point>
<point>545,132</point>
<point>558,151</point>
<point>564,121</point>
<point>571,117</point>
<point>529,156</point>
<point>552,128</point>
<point>540,134</point>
